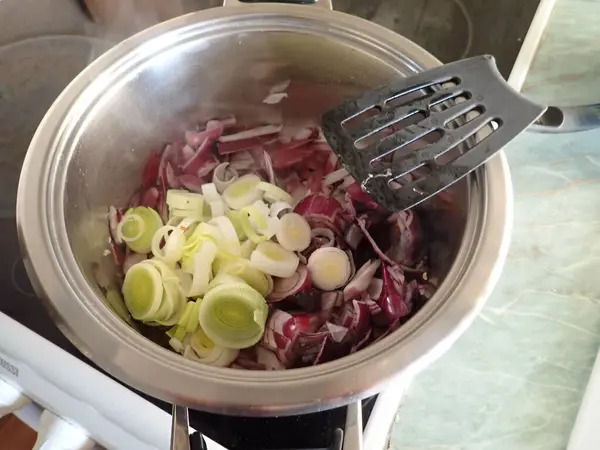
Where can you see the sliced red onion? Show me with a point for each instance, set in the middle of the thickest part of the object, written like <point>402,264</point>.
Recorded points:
<point>353,236</point>
<point>357,195</point>
<point>150,198</point>
<point>171,178</point>
<point>191,182</point>
<point>375,288</point>
<point>335,177</point>
<point>214,130</point>
<point>187,153</point>
<point>288,155</point>
<point>223,176</point>
<point>362,223</point>
<point>203,153</point>
<point>287,287</point>
<point>324,237</point>
<point>132,259</point>
<point>426,290</point>
<point>406,236</point>
<point>115,216</point>
<point>226,148</point>
<point>283,329</point>
<point>135,199</point>
<point>329,301</point>
<point>118,253</point>
<point>252,133</point>
<point>268,359</point>
<point>207,167</point>
<point>332,162</point>
<point>356,318</point>
<point>268,165</point>
<point>150,172</point>
<point>377,315</point>
<point>321,211</point>
<point>393,300</point>
<point>361,280</point>
<point>242,161</point>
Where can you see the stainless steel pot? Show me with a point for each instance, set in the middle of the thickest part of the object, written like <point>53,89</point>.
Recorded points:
<point>92,143</point>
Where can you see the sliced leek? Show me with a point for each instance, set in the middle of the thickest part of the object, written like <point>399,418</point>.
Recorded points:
<point>329,268</point>
<point>142,291</point>
<point>230,241</point>
<point>174,242</point>
<point>242,192</point>
<point>202,271</point>
<point>115,301</point>
<point>224,176</point>
<point>274,193</point>
<point>257,279</point>
<point>137,228</point>
<point>184,200</point>
<point>203,350</point>
<point>247,248</point>
<point>236,221</point>
<point>294,232</point>
<point>273,259</point>
<point>233,315</point>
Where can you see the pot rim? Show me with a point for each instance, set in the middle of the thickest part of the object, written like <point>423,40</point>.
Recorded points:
<point>127,355</point>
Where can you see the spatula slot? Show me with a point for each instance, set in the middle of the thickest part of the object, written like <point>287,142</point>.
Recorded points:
<point>389,128</point>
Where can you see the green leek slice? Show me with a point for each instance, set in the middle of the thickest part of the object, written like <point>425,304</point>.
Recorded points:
<point>137,228</point>
<point>115,302</point>
<point>255,278</point>
<point>183,200</point>
<point>203,350</point>
<point>236,217</point>
<point>242,192</point>
<point>274,193</point>
<point>233,315</point>
<point>142,291</point>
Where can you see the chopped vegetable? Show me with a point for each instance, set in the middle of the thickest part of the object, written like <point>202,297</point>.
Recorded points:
<point>329,268</point>
<point>137,228</point>
<point>294,232</point>
<point>233,315</point>
<point>233,215</point>
<point>274,260</point>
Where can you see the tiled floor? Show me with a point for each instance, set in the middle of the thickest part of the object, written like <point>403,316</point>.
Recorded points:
<point>15,435</point>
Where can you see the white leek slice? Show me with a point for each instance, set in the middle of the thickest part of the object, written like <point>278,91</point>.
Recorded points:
<point>233,315</point>
<point>273,259</point>
<point>210,193</point>
<point>274,193</point>
<point>192,324</point>
<point>137,228</point>
<point>224,176</point>
<point>294,232</point>
<point>278,208</point>
<point>242,192</point>
<point>186,213</point>
<point>187,225</point>
<point>183,200</point>
<point>172,250</point>
<point>329,268</point>
<point>203,350</point>
<point>142,291</point>
<point>203,260</point>
<point>230,239</point>
<point>248,246</point>
<point>166,271</point>
<point>262,208</point>
<point>217,208</point>
<point>176,345</point>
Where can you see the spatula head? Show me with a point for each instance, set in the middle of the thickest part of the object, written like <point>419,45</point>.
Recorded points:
<point>408,141</point>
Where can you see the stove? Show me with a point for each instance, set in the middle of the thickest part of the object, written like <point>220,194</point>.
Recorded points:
<point>57,389</point>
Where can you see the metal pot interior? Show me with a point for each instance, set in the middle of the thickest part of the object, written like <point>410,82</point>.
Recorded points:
<point>152,88</point>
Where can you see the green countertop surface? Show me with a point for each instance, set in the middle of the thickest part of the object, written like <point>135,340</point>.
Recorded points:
<point>515,380</point>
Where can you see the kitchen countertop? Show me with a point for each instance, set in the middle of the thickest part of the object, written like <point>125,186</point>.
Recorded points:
<point>515,380</point>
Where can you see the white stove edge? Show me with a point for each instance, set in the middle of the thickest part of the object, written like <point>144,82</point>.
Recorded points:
<point>585,434</point>
<point>83,396</point>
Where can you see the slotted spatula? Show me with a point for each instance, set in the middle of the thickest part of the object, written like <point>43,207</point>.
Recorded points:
<point>410,140</point>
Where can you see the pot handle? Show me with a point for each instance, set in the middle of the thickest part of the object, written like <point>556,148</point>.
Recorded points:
<point>568,119</point>
<point>353,432</point>
<point>321,3</point>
